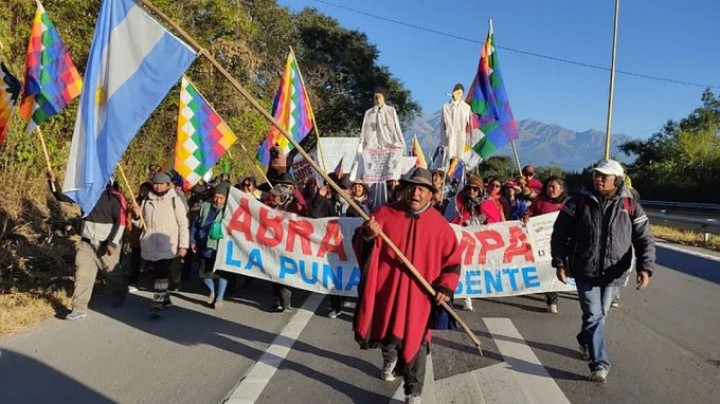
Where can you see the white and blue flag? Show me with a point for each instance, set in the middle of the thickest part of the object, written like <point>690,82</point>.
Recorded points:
<point>133,63</point>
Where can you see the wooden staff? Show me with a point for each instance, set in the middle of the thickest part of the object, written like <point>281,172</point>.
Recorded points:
<point>132,194</point>
<point>418,278</point>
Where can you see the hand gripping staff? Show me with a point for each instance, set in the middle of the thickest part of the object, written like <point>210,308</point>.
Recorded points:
<point>416,275</point>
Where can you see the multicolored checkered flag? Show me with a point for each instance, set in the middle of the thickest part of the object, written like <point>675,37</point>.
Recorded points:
<point>9,94</point>
<point>202,136</point>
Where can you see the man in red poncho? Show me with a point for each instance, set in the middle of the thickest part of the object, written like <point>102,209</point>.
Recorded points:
<point>393,311</point>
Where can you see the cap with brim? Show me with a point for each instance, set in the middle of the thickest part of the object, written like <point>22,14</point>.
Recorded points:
<point>161,178</point>
<point>513,185</point>
<point>419,176</point>
<point>609,167</point>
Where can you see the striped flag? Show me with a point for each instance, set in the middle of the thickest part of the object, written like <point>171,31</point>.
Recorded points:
<point>133,63</point>
<point>202,136</point>
<point>489,103</point>
<point>291,109</point>
<point>51,79</point>
<point>417,152</point>
<point>9,94</point>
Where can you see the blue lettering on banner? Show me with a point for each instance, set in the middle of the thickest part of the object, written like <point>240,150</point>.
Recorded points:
<point>354,279</point>
<point>310,280</point>
<point>288,266</point>
<point>493,282</point>
<point>530,277</point>
<point>511,272</point>
<point>254,258</point>
<point>329,274</point>
<point>472,279</point>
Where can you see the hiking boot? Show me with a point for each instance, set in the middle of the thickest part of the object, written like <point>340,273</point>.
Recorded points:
<point>335,313</point>
<point>413,399</point>
<point>584,352</point>
<point>75,315</point>
<point>552,308</point>
<point>388,370</point>
<point>599,375</point>
<point>467,304</point>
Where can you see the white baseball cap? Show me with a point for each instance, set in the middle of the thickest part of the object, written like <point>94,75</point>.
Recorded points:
<point>610,167</point>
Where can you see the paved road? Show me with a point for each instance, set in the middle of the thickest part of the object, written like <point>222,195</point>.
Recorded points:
<point>664,345</point>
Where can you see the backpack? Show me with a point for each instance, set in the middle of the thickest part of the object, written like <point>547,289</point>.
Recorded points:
<point>123,206</point>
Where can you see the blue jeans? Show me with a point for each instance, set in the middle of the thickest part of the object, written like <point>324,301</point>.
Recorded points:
<point>222,285</point>
<point>595,303</point>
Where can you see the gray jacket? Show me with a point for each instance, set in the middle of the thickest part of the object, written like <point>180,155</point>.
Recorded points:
<point>594,237</point>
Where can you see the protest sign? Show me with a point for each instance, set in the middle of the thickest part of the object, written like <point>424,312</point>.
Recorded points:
<point>380,165</point>
<point>317,255</point>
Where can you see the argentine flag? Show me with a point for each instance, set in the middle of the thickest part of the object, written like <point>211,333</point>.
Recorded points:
<point>133,63</point>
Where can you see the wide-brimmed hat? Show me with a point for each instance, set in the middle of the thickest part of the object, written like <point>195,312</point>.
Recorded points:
<point>419,176</point>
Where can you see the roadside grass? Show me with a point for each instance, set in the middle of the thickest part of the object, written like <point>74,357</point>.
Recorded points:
<point>686,237</point>
<point>22,310</point>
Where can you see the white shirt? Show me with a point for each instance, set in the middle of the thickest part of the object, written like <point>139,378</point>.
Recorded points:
<point>456,125</point>
<point>381,129</point>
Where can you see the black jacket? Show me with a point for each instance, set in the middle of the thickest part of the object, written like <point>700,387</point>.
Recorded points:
<point>594,238</point>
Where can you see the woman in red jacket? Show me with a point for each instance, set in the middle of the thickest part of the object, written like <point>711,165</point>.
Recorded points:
<point>551,199</point>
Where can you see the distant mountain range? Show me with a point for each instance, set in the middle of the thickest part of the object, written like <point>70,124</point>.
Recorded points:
<point>540,144</point>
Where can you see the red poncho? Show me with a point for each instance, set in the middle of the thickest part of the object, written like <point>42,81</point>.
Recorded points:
<point>391,305</point>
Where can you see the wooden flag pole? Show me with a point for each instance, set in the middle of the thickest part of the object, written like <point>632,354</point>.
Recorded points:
<point>312,115</point>
<point>132,194</point>
<point>517,157</point>
<point>416,275</point>
<point>608,131</point>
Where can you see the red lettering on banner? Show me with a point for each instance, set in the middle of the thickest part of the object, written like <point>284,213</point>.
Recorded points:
<point>490,240</point>
<point>519,245</point>
<point>333,241</point>
<point>242,220</point>
<point>301,229</point>
<point>272,224</point>
<point>467,247</point>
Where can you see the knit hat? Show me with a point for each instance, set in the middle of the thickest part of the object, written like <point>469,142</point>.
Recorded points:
<point>222,189</point>
<point>161,178</point>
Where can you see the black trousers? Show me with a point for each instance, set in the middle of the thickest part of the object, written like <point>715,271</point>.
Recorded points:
<point>413,373</point>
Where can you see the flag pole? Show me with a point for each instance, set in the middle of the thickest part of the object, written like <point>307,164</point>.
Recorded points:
<point>416,275</point>
<point>312,113</point>
<point>517,157</point>
<point>608,131</point>
<point>132,194</point>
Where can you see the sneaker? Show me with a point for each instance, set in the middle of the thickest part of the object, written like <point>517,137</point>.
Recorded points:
<point>219,304</point>
<point>335,313</point>
<point>167,304</point>
<point>413,399</point>
<point>388,371</point>
<point>75,315</point>
<point>615,304</point>
<point>599,375</point>
<point>211,298</point>
<point>584,352</point>
<point>467,304</point>
<point>132,288</point>
<point>278,308</point>
<point>552,308</point>
<point>288,309</point>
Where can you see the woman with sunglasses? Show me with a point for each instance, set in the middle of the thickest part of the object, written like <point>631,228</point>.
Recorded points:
<point>465,208</point>
<point>493,207</point>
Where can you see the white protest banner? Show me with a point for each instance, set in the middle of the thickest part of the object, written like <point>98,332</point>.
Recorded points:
<point>380,165</point>
<point>317,254</point>
<point>540,231</point>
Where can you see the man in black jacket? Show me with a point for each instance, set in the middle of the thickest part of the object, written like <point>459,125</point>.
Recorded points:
<point>593,241</point>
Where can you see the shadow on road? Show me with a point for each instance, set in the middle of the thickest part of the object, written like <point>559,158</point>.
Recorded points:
<point>188,327</point>
<point>25,380</point>
<point>702,268</point>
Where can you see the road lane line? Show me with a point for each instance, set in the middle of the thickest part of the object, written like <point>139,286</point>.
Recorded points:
<point>251,386</point>
<point>530,373</point>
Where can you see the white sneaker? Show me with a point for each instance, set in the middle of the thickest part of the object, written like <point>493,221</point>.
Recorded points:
<point>132,288</point>
<point>413,399</point>
<point>552,308</point>
<point>467,304</point>
<point>599,375</point>
<point>388,371</point>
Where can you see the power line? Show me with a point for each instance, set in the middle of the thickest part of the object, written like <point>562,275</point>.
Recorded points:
<point>520,51</point>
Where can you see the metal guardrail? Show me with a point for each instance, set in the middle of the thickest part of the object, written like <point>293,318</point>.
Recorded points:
<point>682,205</point>
<point>701,225</point>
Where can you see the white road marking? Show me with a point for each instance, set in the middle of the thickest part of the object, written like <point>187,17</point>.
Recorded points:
<point>251,386</point>
<point>530,373</point>
<point>677,248</point>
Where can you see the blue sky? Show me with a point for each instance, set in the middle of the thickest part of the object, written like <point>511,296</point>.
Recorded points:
<point>663,38</point>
